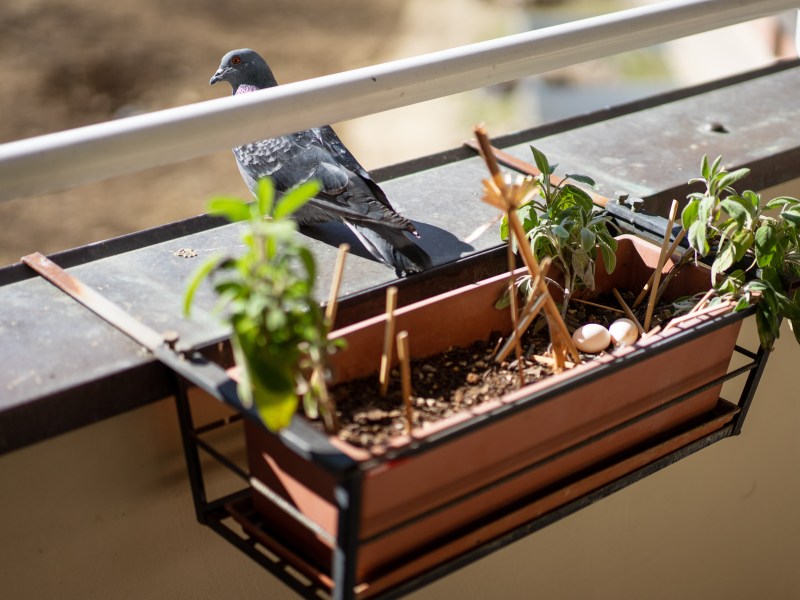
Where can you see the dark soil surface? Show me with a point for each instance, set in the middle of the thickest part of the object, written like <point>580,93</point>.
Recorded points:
<point>460,378</point>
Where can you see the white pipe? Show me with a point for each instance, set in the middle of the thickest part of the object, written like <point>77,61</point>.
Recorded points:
<point>66,159</point>
<point>797,34</point>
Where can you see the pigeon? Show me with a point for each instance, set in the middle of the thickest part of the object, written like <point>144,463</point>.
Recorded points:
<point>348,193</point>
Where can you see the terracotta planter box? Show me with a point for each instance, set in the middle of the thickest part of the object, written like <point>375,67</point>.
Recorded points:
<point>526,442</point>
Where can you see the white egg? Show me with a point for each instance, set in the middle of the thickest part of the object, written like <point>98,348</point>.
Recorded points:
<point>623,332</point>
<point>591,338</point>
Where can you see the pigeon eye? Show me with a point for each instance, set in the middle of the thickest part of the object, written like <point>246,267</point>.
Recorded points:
<point>236,60</point>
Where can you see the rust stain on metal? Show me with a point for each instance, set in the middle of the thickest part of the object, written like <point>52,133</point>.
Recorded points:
<point>55,274</point>
<point>512,162</point>
<point>94,301</point>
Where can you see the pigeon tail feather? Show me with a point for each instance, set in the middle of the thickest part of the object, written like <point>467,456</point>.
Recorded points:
<point>391,247</point>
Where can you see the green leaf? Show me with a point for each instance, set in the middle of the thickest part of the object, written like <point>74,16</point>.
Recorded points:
<point>588,239</point>
<point>706,209</point>
<point>541,161</point>
<point>690,214</point>
<point>561,232</point>
<point>788,309</point>
<point>730,178</point>
<point>715,167</point>
<point>732,284</point>
<point>608,251</point>
<point>527,215</point>
<point>764,326</point>
<point>743,303</point>
<point>736,207</point>
<point>704,169</point>
<point>769,300</point>
<point>697,238</point>
<point>233,209</point>
<point>724,259</point>
<point>766,244</point>
<point>578,196</point>
<point>308,263</point>
<point>792,216</point>
<point>743,240</point>
<point>583,267</point>
<point>585,179</point>
<point>782,201</point>
<point>751,201</point>
<point>296,198</point>
<point>503,301</point>
<point>275,409</point>
<point>265,195</point>
<point>203,271</point>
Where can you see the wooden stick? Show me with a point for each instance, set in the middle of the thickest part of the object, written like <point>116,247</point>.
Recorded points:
<point>558,342</point>
<point>333,295</point>
<point>670,252</point>
<point>328,406</point>
<point>653,331</point>
<point>549,360</point>
<point>603,306</point>
<point>405,377</point>
<point>513,306</point>
<point>627,310</point>
<point>528,316</point>
<point>562,341</point>
<point>674,270</point>
<point>701,303</point>
<point>662,258</point>
<point>524,167</point>
<point>489,158</point>
<point>550,305</point>
<point>388,340</point>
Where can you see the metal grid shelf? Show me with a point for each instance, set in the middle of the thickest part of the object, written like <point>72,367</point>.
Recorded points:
<point>233,517</point>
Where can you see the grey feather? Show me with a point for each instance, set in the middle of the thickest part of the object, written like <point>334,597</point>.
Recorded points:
<point>348,193</point>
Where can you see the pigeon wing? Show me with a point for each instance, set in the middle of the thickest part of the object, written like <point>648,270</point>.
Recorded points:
<point>290,161</point>
<point>294,159</point>
<point>344,157</point>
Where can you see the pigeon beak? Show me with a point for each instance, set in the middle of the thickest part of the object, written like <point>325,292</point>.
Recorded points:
<point>218,76</point>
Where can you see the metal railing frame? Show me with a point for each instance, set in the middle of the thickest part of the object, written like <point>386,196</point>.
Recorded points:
<point>66,159</point>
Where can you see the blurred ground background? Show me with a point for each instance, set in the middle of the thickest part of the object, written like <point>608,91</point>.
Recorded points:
<point>68,63</point>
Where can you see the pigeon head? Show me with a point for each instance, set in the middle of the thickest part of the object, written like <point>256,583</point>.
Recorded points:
<point>245,70</point>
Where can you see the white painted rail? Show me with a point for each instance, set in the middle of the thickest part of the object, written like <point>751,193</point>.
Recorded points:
<point>66,159</point>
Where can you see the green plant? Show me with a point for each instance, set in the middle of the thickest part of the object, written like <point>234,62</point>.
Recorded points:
<point>561,223</point>
<point>763,236</point>
<point>279,333</point>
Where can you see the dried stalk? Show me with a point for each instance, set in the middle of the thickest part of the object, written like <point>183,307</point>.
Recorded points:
<point>498,195</point>
<point>685,258</point>
<point>549,361</point>
<point>598,305</point>
<point>513,307</point>
<point>404,357</point>
<point>388,340</point>
<point>670,252</point>
<point>627,310</point>
<point>333,295</point>
<point>527,316</point>
<point>662,258</point>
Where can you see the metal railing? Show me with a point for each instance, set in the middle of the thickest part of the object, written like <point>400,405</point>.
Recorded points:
<point>66,159</point>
